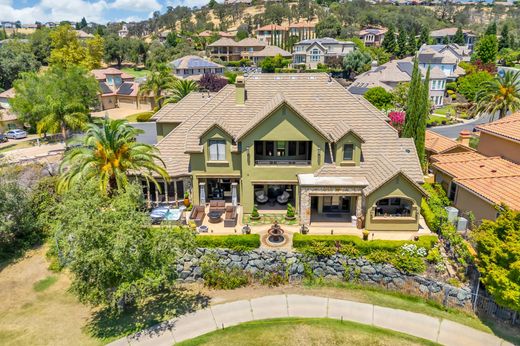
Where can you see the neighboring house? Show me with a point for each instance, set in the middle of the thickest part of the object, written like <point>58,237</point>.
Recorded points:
<point>50,25</point>
<point>291,138</point>
<point>439,36</point>
<point>238,2</point>
<point>277,35</point>
<point>220,34</point>
<point>438,144</point>
<point>82,35</point>
<point>444,57</point>
<point>119,90</point>
<point>123,32</point>
<point>227,49</point>
<point>193,67</point>
<point>268,52</point>
<point>312,52</point>
<point>8,25</point>
<point>477,183</point>
<point>372,36</point>
<point>501,138</point>
<point>392,73</point>
<point>8,120</point>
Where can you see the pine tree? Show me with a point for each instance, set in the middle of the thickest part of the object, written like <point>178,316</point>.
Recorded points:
<point>389,43</point>
<point>491,29</point>
<point>446,40</point>
<point>401,44</point>
<point>84,23</point>
<point>459,37</point>
<point>505,41</point>
<point>413,102</point>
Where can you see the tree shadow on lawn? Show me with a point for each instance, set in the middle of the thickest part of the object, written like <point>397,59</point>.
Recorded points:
<point>155,314</point>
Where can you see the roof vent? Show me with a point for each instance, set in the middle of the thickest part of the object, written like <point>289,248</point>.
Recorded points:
<point>482,166</point>
<point>493,171</point>
<point>407,151</point>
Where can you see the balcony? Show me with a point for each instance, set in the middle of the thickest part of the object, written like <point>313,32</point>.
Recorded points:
<point>282,153</point>
<point>283,162</point>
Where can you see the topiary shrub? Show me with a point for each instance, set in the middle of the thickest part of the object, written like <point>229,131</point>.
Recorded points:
<point>243,242</point>
<point>254,214</point>
<point>143,117</point>
<point>290,212</point>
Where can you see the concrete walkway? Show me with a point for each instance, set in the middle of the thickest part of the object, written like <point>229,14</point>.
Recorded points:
<point>229,314</point>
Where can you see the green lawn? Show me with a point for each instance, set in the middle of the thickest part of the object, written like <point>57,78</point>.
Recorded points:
<point>437,119</point>
<point>443,110</point>
<point>304,331</point>
<point>137,73</point>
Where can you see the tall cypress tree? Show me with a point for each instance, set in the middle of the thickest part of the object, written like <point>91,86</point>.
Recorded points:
<point>413,102</point>
<point>505,40</point>
<point>424,38</point>
<point>389,44</point>
<point>401,43</point>
<point>491,29</point>
<point>411,45</point>
<point>459,37</point>
<point>422,119</point>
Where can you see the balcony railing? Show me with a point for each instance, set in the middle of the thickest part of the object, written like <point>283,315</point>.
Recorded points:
<point>283,162</point>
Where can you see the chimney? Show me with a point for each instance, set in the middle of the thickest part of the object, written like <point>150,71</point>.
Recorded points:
<point>464,137</point>
<point>240,90</point>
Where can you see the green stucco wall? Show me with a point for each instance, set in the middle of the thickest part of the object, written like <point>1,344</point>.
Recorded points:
<point>283,124</point>
<point>164,128</point>
<point>349,138</point>
<point>400,187</point>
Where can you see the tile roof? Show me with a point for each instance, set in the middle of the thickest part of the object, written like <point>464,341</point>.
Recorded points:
<point>302,25</point>
<point>374,31</point>
<point>251,42</point>
<point>272,27</point>
<point>224,42</point>
<point>438,144</point>
<point>508,127</point>
<point>193,61</point>
<point>384,153</point>
<point>100,74</point>
<point>448,32</point>
<point>496,190</point>
<point>6,115</point>
<point>177,112</point>
<point>457,157</point>
<point>271,51</point>
<point>485,167</point>
<point>9,93</point>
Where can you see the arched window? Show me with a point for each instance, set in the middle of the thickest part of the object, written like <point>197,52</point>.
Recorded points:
<point>315,54</point>
<point>394,207</point>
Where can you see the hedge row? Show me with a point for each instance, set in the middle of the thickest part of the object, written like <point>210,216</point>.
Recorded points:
<point>234,242</point>
<point>301,241</point>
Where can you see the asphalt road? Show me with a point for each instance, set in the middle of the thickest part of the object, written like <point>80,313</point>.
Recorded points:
<point>452,131</point>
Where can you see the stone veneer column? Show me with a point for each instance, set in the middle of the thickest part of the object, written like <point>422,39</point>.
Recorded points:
<point>359,206</point>
<point>305,206</point>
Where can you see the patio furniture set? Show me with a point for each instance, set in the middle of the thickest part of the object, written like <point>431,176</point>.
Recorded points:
<point>262,198</point>
<point>217,209</point>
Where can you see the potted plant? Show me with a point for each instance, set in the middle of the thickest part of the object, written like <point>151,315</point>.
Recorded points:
<point>254,214</point>
<point>246,229</point>
<point>304,229</point>
<point>290,212</point>
<point>365,234</point>
<point>186,199</point>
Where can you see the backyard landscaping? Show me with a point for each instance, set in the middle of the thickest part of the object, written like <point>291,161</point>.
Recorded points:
<point>292,331</point>
<point>136,72</point>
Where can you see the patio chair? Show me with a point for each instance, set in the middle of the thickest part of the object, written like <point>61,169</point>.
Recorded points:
<point>261,197</point>
<point>197,214</point>
<point>217,205</point>
<point>283,198</point>
<point>230,217</point>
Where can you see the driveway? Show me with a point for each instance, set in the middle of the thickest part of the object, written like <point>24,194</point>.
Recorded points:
<point>453,131</point>
<point>221,316</point>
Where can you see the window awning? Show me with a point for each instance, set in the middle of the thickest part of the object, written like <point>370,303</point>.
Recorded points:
<point>311,180</point>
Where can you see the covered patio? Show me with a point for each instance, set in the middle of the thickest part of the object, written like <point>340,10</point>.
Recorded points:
<point>273,198</point>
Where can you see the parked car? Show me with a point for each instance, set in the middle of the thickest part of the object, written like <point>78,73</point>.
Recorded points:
<point>3,138</point>
<point>16,134</point>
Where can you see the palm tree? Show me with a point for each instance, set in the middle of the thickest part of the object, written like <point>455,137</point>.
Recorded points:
<point>502,94</point>
<point>61,116</point>
<point>108,154</point>
<point>159,79</point>
<point>180,89</point>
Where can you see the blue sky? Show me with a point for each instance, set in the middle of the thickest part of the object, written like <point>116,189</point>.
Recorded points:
<point>100,11</point>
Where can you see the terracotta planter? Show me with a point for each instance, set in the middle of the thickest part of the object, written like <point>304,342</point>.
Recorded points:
<point>186,202</point>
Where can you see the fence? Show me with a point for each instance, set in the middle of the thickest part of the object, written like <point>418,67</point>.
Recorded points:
<point>485,306</point>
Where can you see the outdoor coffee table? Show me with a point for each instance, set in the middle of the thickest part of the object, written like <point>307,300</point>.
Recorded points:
<point>215,216</point>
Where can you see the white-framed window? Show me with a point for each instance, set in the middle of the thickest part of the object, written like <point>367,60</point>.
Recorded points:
<point>217,150</point>
<point>348,152</point>
<point>315,55</point>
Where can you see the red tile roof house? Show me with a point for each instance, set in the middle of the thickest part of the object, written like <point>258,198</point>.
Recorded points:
<point>119,90</point>
<point>479,182</point>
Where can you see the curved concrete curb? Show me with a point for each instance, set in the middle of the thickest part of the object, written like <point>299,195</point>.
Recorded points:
<point>229,314</point>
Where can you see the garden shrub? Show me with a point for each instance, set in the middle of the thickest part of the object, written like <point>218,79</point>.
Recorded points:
<point>320,249</point>
<point>242,242</point>
<point>434,256</point>
<point>301,241</point>
<point>290,210</point>
<point>218,277</point>
<point>381,256</point>
<point>409,263</point>
<point>143,117</point>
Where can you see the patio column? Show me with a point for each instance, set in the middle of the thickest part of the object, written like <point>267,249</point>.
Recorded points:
<point>166,191</point>
<point>234,197</point>
<point>202,193</point>
<point>156,196</point>
<point>148,197</point>
<point>359,206</point>
<point>175,192</point>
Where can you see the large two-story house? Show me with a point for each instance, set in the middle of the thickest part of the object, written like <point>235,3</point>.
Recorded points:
<point>273,139</point>
<point>326,50</point>
<point>440,36</point>
<point>445,57</point>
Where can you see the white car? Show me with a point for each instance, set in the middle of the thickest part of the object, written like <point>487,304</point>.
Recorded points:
<point>16,134</point>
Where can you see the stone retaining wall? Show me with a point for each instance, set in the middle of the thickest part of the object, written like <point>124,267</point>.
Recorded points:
<point>297,265</point>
